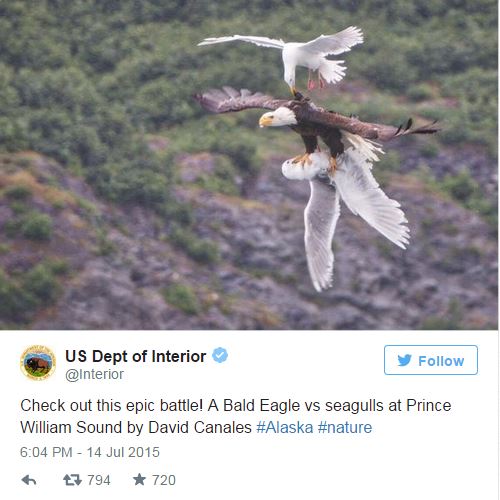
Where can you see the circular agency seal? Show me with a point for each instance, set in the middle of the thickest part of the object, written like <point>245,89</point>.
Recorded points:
<point>38,362</point>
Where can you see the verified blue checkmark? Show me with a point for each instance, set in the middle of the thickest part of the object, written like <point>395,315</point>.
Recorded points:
<point>219,355</point>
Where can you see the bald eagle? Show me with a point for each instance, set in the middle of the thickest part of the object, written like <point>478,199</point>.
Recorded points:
<point>311,55</point>
<point>307,119</point>
<point>343,173</point>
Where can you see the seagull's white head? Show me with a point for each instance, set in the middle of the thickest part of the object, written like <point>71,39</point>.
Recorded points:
<point>282,116</point>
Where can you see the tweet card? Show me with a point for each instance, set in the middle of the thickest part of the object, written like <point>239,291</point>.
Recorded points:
<point>249,250</point>
<point>291,414</point>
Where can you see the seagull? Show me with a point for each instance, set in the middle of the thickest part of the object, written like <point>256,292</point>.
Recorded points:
<point>353,183</point>
<point>311,55</point>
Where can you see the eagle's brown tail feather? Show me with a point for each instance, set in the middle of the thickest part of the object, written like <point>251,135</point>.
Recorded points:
<point>407,129</point>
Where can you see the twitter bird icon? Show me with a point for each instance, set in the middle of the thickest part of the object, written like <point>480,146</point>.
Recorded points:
<point>404,360</point>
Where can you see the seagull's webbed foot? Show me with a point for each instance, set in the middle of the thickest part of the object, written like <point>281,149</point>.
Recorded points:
<point>302,159</point>
<point>321,81</point>
<point>310,82</point>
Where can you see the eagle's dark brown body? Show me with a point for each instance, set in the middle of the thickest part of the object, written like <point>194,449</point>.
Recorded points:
<point>310,133</point>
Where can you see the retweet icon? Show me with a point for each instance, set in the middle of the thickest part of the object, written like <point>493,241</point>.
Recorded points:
<point>404,360</point>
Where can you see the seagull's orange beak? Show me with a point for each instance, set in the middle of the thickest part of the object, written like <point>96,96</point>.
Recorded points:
<point>265,121</point>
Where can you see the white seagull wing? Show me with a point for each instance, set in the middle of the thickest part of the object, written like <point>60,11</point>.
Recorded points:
<point>334,44</point>
<point>320,218</point>
<point>362,194</point>
<point>261,41</point>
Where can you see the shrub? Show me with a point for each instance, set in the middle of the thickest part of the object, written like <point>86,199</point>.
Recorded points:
<point>420,92</point>
<point>222,180</point>
<point>464,189</point>
<point>41,283</point>
<point>429,149</point>
<point>19,207</point>
<point>461,186</point>
<point>59,267</point>
<point>182,297</point>
<point>37,227</point>
<point>18,192</point>
<point>394,72</point>
<point>179,212</point>
<point>15,302</point>
<point>105,246</point>
<point>205,252</point>
<point>139,181</point>
<point>21,297</point>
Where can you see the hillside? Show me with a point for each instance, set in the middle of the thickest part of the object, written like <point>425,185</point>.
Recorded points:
<point>110,267</point>
<point>123,205</point>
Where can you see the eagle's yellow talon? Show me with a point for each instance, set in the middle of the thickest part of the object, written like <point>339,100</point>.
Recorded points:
<point>302,159</point>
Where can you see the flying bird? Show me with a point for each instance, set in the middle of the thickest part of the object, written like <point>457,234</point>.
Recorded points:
<point>354,184</point>
<point>311,55</point>
<point>343,173</point>
<point>308,120</point>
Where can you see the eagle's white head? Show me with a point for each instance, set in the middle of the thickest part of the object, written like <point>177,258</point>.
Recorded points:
<point>282,116</point>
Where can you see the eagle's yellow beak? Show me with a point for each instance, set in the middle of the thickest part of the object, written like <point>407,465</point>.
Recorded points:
<point>293,90</point>
<point>265,121</point>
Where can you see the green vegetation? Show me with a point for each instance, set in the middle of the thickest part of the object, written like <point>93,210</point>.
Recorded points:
<point>15,303</point>
<point>202,251</point>
<point>21,296</point>
<point>464,189</point>
<point>182,297</point>
<point>41,283</point>
<point>58,267</point>
<point>4,248</point>
<point>82,81</point>
<point>105,247</point>
<point>17,192</point>
<point>29,224</point>
<point>88,82</point>
<point>452,320</point>
<point>420,92</point>
<point>36,227</point>
<point>222,179</point>
<point>429,149</point>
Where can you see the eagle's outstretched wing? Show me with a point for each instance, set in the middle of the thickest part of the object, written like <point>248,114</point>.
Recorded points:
<point>261,41</point>
<point>334,44</point>
<point>320,218</point>
<point>227,99</point>
<point>372,131</point>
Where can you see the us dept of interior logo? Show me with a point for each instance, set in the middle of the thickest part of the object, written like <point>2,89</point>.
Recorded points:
<point>38,362</point>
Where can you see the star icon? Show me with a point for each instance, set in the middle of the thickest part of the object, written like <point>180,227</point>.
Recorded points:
<point>139,479</point>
